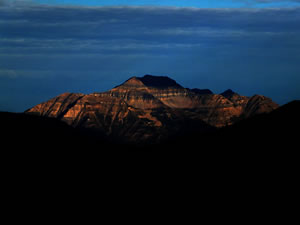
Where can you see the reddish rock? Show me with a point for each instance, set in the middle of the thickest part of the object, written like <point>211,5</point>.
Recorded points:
<point>150,108</point>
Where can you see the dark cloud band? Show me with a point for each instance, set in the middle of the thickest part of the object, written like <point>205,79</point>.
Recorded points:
<point>208,46</point>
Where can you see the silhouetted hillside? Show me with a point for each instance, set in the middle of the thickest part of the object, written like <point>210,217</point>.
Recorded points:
<point>261,133</point>
<point>254,146</point>
<point>28,133</point>
<point>30,126</point>
<point>270,129</point>
<point>269,133</point>
<point>282,123</point>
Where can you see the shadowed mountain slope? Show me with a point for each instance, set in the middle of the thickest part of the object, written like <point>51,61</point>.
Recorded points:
<point>266,133</point>
<point>150,109</point>
<point>265,138</point>
<point>281,123</point>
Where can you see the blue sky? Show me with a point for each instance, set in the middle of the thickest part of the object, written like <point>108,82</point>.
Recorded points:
<point>176,3</point>
<point>180,3</point>
<point>46,50</point>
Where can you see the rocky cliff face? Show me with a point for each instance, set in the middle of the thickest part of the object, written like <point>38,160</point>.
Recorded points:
<point>151,108</point>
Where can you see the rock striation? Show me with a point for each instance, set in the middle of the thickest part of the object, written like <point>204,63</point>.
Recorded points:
<point>151,108</point>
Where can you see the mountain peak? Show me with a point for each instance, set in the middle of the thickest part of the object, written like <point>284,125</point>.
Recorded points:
<point>150,108</point>
<point>132,82</point>
<point>159,81</point>
<point>228,93</point>
<point>202,91</point>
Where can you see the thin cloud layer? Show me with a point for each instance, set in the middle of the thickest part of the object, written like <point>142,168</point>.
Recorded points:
<point>70,29</point>
<point>177,3</point>
<point>13,3</point>
<point>270,1</point>
<point>253,50</point>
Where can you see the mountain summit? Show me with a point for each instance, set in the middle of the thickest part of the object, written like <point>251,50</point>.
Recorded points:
<point>150,81</point>
<point>228,93</point>
<point>159,82</point>
<point>151,108</point>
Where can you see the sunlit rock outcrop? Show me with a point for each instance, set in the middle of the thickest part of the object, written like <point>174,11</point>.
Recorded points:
<point>150,108</point>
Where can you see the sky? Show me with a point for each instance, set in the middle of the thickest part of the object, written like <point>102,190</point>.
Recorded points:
<point>51,47</point>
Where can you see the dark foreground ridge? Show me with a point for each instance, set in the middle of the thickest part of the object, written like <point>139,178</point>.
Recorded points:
<point>254,159</point>
<point>260,148</point>
<point>270,130</point>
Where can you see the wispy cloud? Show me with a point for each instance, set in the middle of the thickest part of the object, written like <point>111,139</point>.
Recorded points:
<point>8,73</point>
<point>177,3</point>
<point>271,1</point>
<point>82,29</point>
<point>85,44</point>
<point>10,3</point>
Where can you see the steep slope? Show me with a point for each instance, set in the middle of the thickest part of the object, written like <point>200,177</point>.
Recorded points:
<point>268,132</point>
<point>259,104</point>
<point>150,108</point>
<point>266,138</point>
<point>235,97</point>
<point>58,106</point>
<point>23,132</point>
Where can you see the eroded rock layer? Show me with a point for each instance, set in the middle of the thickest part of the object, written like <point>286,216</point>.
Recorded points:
<point>150,108</point>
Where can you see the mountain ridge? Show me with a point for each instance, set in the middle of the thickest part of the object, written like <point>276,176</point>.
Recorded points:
<point>149,108</point>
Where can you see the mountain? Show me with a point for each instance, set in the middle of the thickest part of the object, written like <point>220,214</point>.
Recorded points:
<point>258,151</point>
<point>264,145</point>
<point>19,130</point>
<point>151,109</point>
<point>263,131</point>
<point>263,134</point>
<point>202,91</point>
<point>282,123</point>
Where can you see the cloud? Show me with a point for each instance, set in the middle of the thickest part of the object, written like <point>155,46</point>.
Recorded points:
<point>272,1</point>
<point>269,3</point>
<point>14,3</point>
<point>62,38</point>
<point>75,32</point>
<point>4,73</point>
<point>211,47</point>
<point>81,22</point>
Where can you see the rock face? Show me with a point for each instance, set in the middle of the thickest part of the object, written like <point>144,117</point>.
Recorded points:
<point>150,108</point>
